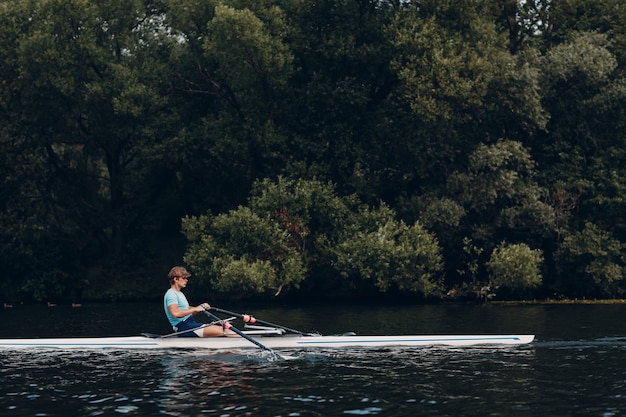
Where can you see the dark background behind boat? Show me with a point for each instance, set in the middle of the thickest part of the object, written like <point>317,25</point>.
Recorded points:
<point>576,366</point>
<point>547,322</point>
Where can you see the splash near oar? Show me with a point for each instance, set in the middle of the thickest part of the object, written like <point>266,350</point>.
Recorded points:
<point>228,326</point>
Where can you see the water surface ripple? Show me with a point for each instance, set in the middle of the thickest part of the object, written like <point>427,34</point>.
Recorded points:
<point>580,372</point>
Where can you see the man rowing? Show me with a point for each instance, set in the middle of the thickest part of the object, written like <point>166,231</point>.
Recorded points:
<point>180,314</point>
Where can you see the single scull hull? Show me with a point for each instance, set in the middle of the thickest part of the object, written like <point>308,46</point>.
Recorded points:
<point>273,342</point>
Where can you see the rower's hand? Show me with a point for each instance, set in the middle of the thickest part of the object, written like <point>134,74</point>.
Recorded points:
<point>202,307</point>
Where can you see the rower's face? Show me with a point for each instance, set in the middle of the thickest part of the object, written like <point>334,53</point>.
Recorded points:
<point>182,281</point>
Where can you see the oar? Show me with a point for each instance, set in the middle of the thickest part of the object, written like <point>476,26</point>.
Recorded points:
<point>245,336</point>
<point>249,319</point>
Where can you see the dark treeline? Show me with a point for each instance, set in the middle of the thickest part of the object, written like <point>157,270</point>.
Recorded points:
<point>438,148</point>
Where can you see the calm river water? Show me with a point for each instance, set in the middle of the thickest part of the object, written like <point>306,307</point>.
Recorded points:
<point>575,367</point>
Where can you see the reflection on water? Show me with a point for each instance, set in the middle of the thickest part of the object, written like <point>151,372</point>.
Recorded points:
<point>222,383</point>
<point>57,383</point>
<point>335,382</point>
<point>50,382</point>
<point>577,367</point>
<point>549,378</point>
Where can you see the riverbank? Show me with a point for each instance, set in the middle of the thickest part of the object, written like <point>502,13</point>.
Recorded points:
<point>566,301</point>
<point>380,302</point>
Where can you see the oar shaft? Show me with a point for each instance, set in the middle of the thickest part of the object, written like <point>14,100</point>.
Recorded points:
<point>266,323</point>
<point>245,336</point>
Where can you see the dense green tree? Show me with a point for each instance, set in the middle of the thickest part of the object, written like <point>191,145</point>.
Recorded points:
<point>591,263</point>
<point>585,136</point>
<point>241,250</point>
<point>83,85</point>
<point>293,231</point>
<point>462,85</point>
<point>391,253</point>
<point>607,17</point>
<point>514,267</point>
<point>478,122</point>
<point>231,67</point>
<point>336,111</point>
<point>496,198</point>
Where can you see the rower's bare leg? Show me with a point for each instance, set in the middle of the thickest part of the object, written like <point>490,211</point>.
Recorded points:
<point>213,331</point>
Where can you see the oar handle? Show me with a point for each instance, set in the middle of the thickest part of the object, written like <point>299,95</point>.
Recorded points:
<point>245,336</point>
<point>248,318</point>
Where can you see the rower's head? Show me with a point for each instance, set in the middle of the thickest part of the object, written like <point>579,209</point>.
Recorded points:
<point>178,272</point>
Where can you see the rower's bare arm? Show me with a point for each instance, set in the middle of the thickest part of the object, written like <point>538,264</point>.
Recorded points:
<point>178,312</point>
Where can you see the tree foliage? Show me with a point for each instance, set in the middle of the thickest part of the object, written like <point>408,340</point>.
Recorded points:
<point>515,267</point>
<point>338,145</point>
<point>593,259</point>
<point>293,229</point>
<point>391,253</point>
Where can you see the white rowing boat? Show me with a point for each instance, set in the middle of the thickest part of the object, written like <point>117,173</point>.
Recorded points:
<point>287,341</point>
<point>264,335</point>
